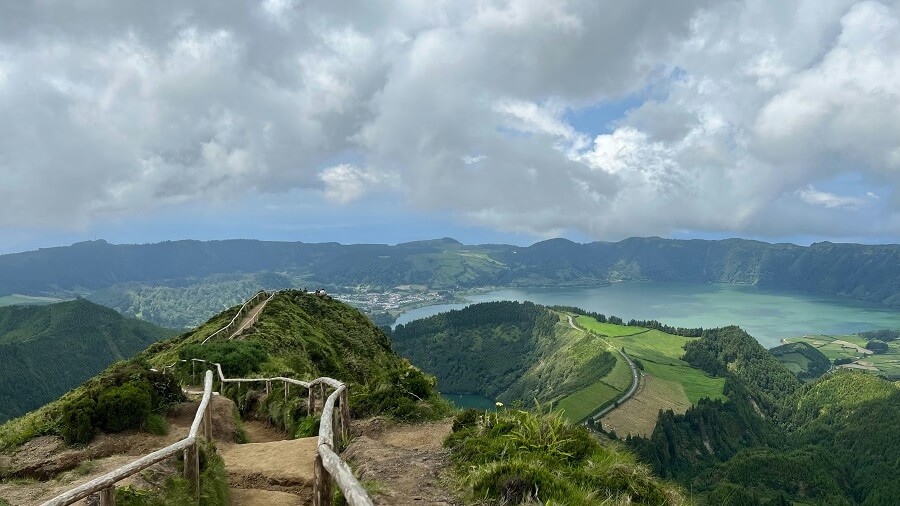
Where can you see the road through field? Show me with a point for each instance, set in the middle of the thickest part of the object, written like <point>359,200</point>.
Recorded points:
<point>634,377</point>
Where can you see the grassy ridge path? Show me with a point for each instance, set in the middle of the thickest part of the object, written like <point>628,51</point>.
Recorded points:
<point>250,319</point>
<point>635,378</point>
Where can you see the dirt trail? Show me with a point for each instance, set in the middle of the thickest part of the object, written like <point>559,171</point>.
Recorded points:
<point>269,469</point>
<point>249,319</point>
<point>407,462</point>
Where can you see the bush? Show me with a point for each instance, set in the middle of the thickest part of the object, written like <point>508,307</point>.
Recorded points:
<point>156,424</point>
<point>466,418</point>
<point>237,358</point>
<point>877,347</point>
<point>124,407</point>
<point>78,421</point>
<point>404,393</point>
<point>842,361</point>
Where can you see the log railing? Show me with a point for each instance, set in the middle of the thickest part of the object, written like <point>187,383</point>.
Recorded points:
<point>245,308</point>
<point>105,485</point>
<point>334,430</point>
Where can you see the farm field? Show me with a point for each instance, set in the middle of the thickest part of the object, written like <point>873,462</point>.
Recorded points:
<point>694,382</point>
<point>607,329</point>
<point>637,416</point>
<point>585,401</point>
<point>851,346</point>
<point>660,353</point>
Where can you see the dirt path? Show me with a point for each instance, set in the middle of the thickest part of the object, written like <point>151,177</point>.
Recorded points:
<point>405,462</point>
<point>262,432</point>
<point>250,319</point>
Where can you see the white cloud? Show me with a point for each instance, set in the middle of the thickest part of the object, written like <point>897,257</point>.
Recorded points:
<point>345,183</point>
<point>810,195</point>
<point>122,107</point>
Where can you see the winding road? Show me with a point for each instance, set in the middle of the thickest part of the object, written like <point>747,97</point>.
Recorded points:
<point>634,377</point>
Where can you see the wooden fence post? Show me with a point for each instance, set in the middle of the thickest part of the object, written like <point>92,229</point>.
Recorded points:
<point>287,388</point>
<point>321,484</point>
<point>311,403</point>
<point>108,496</point>
<point>192,470</point>
<point>345,415</point>
<point>207,424</point>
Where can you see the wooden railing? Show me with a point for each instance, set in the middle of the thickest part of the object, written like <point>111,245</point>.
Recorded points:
<point>335,421</point>
<point>247,306</point>
<point>106,485</point>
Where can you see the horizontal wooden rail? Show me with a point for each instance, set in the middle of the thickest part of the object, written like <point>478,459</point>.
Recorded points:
<point>328,465</point>
<point>105,485</point>
<point>246,306</point>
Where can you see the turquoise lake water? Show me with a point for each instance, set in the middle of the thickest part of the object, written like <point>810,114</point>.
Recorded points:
<point>768,315</point>
<point>470,401</point>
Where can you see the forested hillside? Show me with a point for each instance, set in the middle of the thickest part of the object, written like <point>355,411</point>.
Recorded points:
<point>830,441</point>
<point>46,350</point>
<point>511,351</point>
<point>178,283</point>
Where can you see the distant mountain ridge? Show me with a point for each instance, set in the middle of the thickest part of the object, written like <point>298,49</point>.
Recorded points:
<point>46,350</point>
<point>865,272</point>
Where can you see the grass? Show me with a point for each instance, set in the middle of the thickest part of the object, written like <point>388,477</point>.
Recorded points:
<point>696,383</point>
<point>518,457</point>
<point>585,401</point>
<point>607,329</point>
<point>653,345</point>
<point>620,376</point>
<point>887,364</point>
<point>638,415</point>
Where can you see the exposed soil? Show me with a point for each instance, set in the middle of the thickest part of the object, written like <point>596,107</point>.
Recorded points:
<point>45,467</point>
<point>407,463</point>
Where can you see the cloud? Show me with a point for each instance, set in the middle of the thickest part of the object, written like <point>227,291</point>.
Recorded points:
<point>345,183</point>
<point>819,198</point>
<point>745,109</point>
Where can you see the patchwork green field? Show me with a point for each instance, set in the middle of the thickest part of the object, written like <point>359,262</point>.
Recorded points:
<point>607,329</point>
<point>852,347</point>
<point>585,401</point>
<point>660,355</point>
<point>637,416</point>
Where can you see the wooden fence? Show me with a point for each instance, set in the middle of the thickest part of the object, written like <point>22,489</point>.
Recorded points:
<point>329,467</point>
<point>106,485</point>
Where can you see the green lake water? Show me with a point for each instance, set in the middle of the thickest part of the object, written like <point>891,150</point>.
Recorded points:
<point>463,401</point>
<point>768,315</point>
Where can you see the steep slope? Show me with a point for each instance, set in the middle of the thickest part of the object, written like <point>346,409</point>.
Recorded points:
<point>46,350</point>
<point>507,350</point>
<point>830,441</point>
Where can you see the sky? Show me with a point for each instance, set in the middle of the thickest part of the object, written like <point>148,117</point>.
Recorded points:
<point>487,121</point>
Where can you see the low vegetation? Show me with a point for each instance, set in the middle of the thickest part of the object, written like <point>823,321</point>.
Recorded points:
<point>516,456</point>
<point>127,396</point>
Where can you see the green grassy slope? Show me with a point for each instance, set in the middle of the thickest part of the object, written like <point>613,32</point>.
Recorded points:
<point>46,350</point>
<point>508,350</point>
<point>660,354</point>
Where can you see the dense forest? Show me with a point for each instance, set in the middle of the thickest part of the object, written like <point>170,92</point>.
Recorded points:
<point>831,441</point>
<point>46,350</point>
<point>169,282</point>
<point>511,351</point>
<point>483,348</point>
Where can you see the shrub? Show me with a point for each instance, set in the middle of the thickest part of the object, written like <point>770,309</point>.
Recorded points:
<point>77,425</point>
<point>123,407</point>
<point>156,424</point>
<point>404,393</point>
<point>238,358</point>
